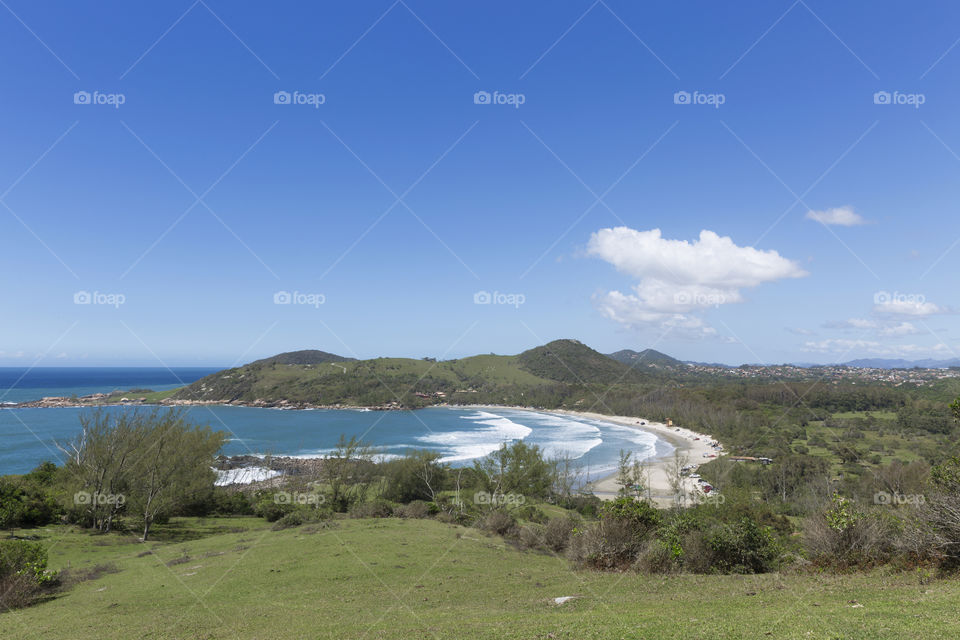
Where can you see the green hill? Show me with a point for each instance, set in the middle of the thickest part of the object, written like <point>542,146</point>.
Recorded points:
<point>541,376</point>
<point>306,356</point>
<point>573,362</point>
<point>645,358</point>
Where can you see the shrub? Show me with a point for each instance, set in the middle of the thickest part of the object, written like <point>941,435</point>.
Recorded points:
<point>640,515</point>
<point>17,591</point>
<point>292,519</point>
<point>616,541</point>
<point>269,509</point>
<point>498,522</point>
<point>557,532</point>
<point>26,504</point>
<point>530,513</point>
<point>667,552</point>
<point>531,536</point>
<point>843,536</point>
<point>22,556</point>
<point>23,572</point>
<point>219,501</point>
<point>587,505</point>
<point>745,547</point>
<point>372,509</point>
<point>416,509</point>
<point>941,511</point>
<point>657,557</point>
<point>606,545</point>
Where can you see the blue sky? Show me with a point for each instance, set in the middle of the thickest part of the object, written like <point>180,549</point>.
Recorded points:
<point>161,230</point>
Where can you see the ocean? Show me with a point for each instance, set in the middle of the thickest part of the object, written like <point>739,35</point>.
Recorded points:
<point>461,435</point>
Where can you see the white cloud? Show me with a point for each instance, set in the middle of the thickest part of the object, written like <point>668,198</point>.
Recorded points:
<point>852,323</point>
<point>848,347</point>
<point>902,329</point>
<point>800,331</point>
<point>839,216</point>
<point>632,311</point>
<point>885,329</point>
<point>679,278</point>
<point>907,306</point>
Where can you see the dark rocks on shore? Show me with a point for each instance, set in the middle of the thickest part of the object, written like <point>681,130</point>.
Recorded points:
<point>287,465</point>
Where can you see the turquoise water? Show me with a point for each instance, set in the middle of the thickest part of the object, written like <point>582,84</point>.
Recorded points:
<point>460,435</point>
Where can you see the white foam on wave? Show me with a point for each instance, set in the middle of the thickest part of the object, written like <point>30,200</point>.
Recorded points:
<point>566,436</point>
<point>636,436</point>
<point>476,443</point>
<point>245,475</point>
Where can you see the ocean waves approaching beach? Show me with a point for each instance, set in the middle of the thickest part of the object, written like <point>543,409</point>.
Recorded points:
<point>490,432</point>
<point>460,435</point>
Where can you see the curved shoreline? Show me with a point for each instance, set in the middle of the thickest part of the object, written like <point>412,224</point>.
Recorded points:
<point>686,443</point>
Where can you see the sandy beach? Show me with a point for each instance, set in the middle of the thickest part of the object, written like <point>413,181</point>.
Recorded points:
<point>692,446</point>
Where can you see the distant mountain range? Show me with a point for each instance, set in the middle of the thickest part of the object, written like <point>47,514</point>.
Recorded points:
<point>645,358</point>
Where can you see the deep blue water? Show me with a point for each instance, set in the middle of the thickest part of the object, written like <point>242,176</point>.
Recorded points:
<point>30,436</point>
<point>19,384</point>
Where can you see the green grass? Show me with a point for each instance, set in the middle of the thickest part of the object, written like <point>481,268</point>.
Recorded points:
<point>879,438</point>
<point>423,579</point>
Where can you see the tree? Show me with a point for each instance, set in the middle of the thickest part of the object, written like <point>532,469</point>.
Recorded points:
<point>516,468</point>
<point>147,463</point>
<point>675,470</point>
<point>416,476</point>
<point>568,476</point>
<point>941,510</point>
<point>348,471</point>
<point>100,463</point>
<point>631,475</point>
<point>174,464</point>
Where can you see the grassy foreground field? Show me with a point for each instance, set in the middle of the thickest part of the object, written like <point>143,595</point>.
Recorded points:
<point>393,578</point>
